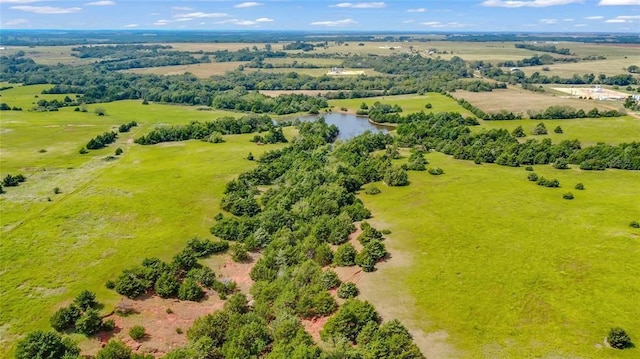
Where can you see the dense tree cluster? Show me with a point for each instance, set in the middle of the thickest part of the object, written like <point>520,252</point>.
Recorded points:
<point>102,140</point>
<point>240,99</point>
<point>125,127</point>
<point>202,130</point>
<point>81,315</point>
<point>182,278</point>
<point>120,57</point>
<point>13,181</point>
<point>544,48</point>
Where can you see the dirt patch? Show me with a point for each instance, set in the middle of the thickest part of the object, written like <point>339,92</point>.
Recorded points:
<point>314,326</point>
<point>163,326</point>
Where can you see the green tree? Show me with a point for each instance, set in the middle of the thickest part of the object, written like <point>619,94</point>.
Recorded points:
<point>347,290</point>
<point>345,255</point>
<point>89,323</point>
<point>619,339</point>
<point>347,323</point>
<point>115,349</point>
<point>45,345</point>
<point>65,318</point>
<point>190,290</point>
<point>518,132</point>
<point>85,300</point>
<point>167,285</point>
<point>137,332</point>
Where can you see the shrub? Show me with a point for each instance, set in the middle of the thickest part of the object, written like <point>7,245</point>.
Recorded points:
<point>239,252</point>
<point>396,176</point>
<point>109,325</point>
<point>372,190</point>
<point>567,195</point>
<point>109,284</point>
<point>204,275</point>
<point>167,285</point>
<point>100,111</point>
<point>85,300</point>
<point>119,151</point>
<point>65,318</point>
<point>634,224</point>
<point>540,129</point>
<point>190,290</point>
<point>56,190</point>
<point>366,260</point>
<point>619,339</point>
<point>347,290</point>
<point>89,323</point>
<point>518,132</point>
<point>250,156</point>
<point>45,344</point>
<point>83,151</point>
<point>345,255</point>
<point>352,316</point>
<point>558,129</point>
<point>115,349</point>
<point>529,168</point>
<point>579,186</point>
<point>436,171</point>
<point>532,177</point>
<point>593,165</point>
<point>137,332</point>
<point>428,105</point>
<point>185,259</point>
<point>329,279</point>
<point>561,164</point>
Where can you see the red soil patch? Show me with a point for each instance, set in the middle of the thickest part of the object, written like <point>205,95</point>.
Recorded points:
<point>313,326</point>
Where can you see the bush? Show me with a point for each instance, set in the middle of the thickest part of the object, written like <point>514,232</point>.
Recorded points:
<point>239,252</point>
<point>345,255</point>
<point>85,300</point>
<point>529,168</point>
<point>109,325</point>
<point>619,339</point>
<point>579,186</point>
<point>329,280</point>
<point>137,332</point>
<point>372,190</point>
<point>204,275</point>
<point>109,284</point>
<point>366,260</point>
<point>119,151</point>
<point>428,105</point>
<point>436,171</point>
<point>634,224</point>
<point>115,349</point>
<point>540,129</point>
<point>558,129</point>
<point>561,164</point>
<point>190,290</point>
<point>167,285</point>
<point>83,151</point>
<point>65,318</point>
<point>347,290</point>
<point>45,345</point>
<point>396,176</point>
<point>89,323</point>
<point>250,156</point>
<point>185,259</point>
<point>567,195</point>
<point>518,132</point>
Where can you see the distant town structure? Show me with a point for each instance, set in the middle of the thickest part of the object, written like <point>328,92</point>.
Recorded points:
<point>337,71</point>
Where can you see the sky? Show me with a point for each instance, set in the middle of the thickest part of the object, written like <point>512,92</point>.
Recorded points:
<point>404,15</point>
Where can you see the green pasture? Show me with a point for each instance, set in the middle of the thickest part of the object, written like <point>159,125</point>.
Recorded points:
<point>409,103</point>
<point>509,269</point>
<point>589,131</point>
<point>110,213</point>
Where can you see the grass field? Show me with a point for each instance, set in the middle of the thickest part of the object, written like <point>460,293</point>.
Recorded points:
<point>199,70</point>
<point>519,101</point>
<point>608,67</point>
<point>409,103</point>
<point>109,214</point>
<point>48,55</point>
<point>502,268</point>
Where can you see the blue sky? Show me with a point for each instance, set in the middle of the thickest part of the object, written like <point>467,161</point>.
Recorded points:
<point>408,15</point>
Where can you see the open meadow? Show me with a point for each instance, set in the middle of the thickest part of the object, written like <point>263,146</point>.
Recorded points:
<point>109,213</point>
<point>494,266</point>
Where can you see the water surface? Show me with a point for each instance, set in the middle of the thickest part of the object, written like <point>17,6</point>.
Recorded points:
<point>349,125</point>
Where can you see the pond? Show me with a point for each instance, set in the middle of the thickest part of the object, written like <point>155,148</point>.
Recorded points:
<point>349,125</point>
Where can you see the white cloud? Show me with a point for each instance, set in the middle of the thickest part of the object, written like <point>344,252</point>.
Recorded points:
<point>528,3</point>
<point>182,8</point>
<point>335,23</point>
<point>407,21</point>
<point>579,25</point>
<point>615,21</point>
<point>568,20</point>
<point>629,17</point>
<point>264,19</point>
<point>16,22</point>
<point>549,21</point>
<point>101,3</point>
<point>438,24</point>
<point>417,10</point>
<point>245,22</point>
<point>200,15</point>
<point>130,26</point>
<point>360,5</point>
<point>162,22</point>
<point>618,2</point>
<point>594,17</point>
<point>623,19</point>
<point>248,4</point>
<point>46,9</point>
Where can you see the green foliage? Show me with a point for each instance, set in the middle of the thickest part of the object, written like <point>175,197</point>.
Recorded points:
<point>366,260</point>
<point>518,132</point>
<point>558,129</point>
<point>134,281</point>
<point>13,181</point>
<point>554,183</point>
<point>115,349</point>
<point>45,345</point>
<point>634,224</point>
<point>561,164</point>
<point>119,151</point>
<point>579,186</point>
<point>85,300</point>
<point>190,290</point>
<point>533,177</point>
<point>167,285</point>
<point>108,325</point>
<point>239,252</point>
<point>137,332</point>
<point>529,168</point>
<point>349,320</point>
<point>185,259</point>
<point>372,190</point>
<point>237,303</point>
<point>203,275</point>
<point>250,156</point>
<point>396,176</point>
<point>345,255</point>
<point>101,141</point>
<point>619,339</point>
<point>435,171</point>
<point>205,247</point>
<point>89,323</point>
<point>540,129</point>
<point>329,279</point>
<point>65,318</point>
<point>347,290</point>
<point>214,137</point>
<point>567,195</point>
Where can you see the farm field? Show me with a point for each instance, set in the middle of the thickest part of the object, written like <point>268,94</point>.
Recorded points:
<point>409,103</point>
<point>517,100</point>
<point>498,267</point>
<point>203,70</point>
<point>609,67</point>
<point>149,200</point>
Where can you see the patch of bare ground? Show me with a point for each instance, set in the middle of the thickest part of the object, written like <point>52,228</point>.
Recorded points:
<point>167,320</point>
<point>393,301</point>
<point>314,326</point>
<point>519,101</point>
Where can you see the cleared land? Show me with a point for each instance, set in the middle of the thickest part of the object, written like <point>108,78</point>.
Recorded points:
<point>109,214</point>
<point>48,55</point>
<point>501,268</point>
<point>199,70</point>
<point>518,100</point>
<point>409,103</point>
